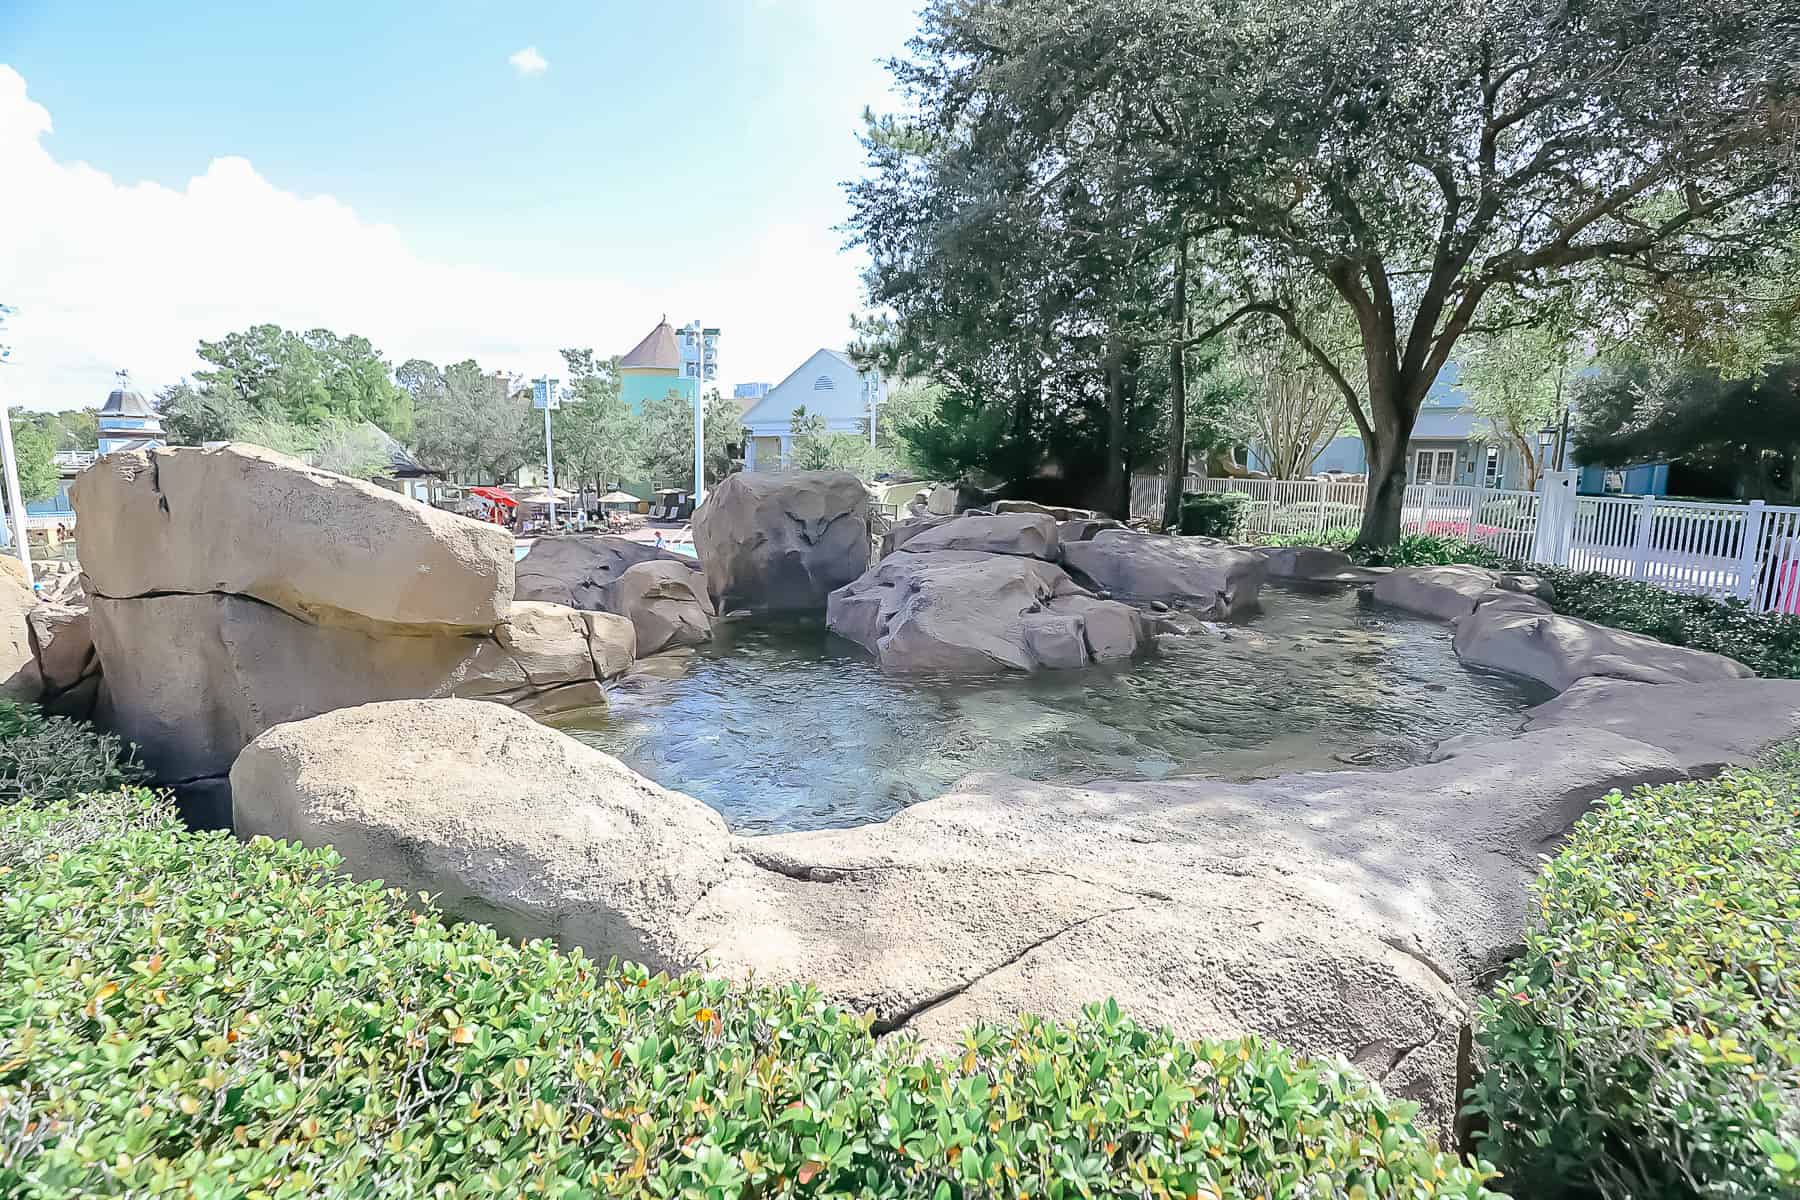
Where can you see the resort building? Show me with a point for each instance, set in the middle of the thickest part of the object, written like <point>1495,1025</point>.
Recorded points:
<point>128,421</point>
<point>653,368</point>
<point>828,385</point>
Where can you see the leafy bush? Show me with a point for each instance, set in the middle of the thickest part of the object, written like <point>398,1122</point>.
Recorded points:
<point>1412,550</point>
<point>1316,514</point>
<point>1646,1043</point>
<point>46,758</point>
<point>1213,514</point>
<point>1767,643</point>
<point>187,1014</point>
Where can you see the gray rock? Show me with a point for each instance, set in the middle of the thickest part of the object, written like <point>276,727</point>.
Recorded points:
<point>1705,725</point>
<point>1313,564</point>
<point>941,501</point>
<point>1206,576</point>
<point>1518,634</point>
<point>1031,535</point>
<point>1057,511</point>
<point>581,570</point>
<point>1530,585</point>
<point>963,612</point>
<point>67,663</point>
<point>782,541</point>
<point>1083,529</point>
<point>667,602</point>
<point>905,531</point>
<point>502,819</point>
<point>1445,593</point>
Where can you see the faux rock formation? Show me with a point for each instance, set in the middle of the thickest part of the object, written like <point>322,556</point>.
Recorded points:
<point>504,820</point>
<point>963,612</point>
<point>19,676</point>
<point>234,589</point>
<point>1314,564</point>
<point>244,521</point>
<point>668,604</point>
<point>782,542</point>
<point>905,531</point>
<point>192,679</point>
<point>67,664</point>
<point>1209,577</point>
<point>1445,593</point>
<point>1706,725</point>
<point>1348,913</point>
<point>1083,529</point>
<point>1056,511</point>
<point>580,570</point>
<point>1029,534</point>
<point>1518,633</point>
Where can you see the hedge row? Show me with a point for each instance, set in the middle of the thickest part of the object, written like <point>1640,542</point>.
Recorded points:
<point>187,1015</point>
<point>53,758</point>
<point>1647,1043</point>
<point>1767,643</point>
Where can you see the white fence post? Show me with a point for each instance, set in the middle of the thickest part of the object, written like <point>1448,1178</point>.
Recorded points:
<point>1750,551</point>
<point>1554,530</point>
<point>1640,547</point>
<point>1425,500</point>
<point>1476,504</point>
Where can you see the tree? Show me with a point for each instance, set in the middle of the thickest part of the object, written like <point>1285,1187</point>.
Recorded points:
<point>33,452</point>
<point>814,448</point>
<point>1440,173</point>
<point>596,432</point>
<point>302,378</point>
<point>475,425</point>
<point>1516,381</point>
<point>667,431</point>
<point>1293,411</point>
<point>1746,431</point>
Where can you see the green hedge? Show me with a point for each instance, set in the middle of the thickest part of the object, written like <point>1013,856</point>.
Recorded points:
<point>1647,1044</point>
<point>1412,550</point>
<point>1213,514</point>
<point>46,758</point>
<point>184,1014</point>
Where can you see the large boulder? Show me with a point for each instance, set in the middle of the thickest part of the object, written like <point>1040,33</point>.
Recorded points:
<point>962,612</point>
<point>581,570</point>
<point>67,664</point>
<point>1032,535</point>
<point>1515,632</point>
<point>1445,593</point>
<point>1314,564</point>
<point>1705,725</point>
<point>1212,578</point>
<point>906,530</point>
<point>502,819</point>
<point>668,604</point>
<point>19,677</point>
<point>245,521</point>
<point>782,541</point>
<point>1059,512</point>
<point>193,678</point>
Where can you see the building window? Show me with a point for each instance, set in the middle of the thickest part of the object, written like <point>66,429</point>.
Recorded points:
<point>1493,466</point>
<point>1434,466</point>
<point>823,384</point>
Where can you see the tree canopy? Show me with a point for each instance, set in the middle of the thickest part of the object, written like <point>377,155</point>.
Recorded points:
<point>1437,170</point>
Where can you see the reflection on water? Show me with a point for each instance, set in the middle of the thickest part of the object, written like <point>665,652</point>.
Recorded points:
<point>783,726</point>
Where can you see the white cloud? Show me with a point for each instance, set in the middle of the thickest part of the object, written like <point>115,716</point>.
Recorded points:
<point>528,61</point>
<point>108,274</point>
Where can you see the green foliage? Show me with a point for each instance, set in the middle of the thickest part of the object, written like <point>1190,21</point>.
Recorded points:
<point>1412,550</point>
<point>189,1014</point>
<point>1767,643</point>
<point>1213,514</point>
<point>470,422</point>
<point>45,759</point>
<point>33,448</point>
<point>667,437</point>
<point>814,448</point>
<point>596,432</point>
<point>1644,1044</point>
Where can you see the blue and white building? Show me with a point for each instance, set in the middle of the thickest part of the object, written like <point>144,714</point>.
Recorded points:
<point>828,385</point>
<point>128,421</point>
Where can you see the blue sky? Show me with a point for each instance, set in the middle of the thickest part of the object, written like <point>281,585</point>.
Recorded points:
<point>392,169</point>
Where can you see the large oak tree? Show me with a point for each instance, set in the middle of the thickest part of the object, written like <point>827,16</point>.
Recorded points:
<point>1443,167</point>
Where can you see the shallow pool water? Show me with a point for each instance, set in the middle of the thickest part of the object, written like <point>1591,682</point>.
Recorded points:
<point>783,726</point>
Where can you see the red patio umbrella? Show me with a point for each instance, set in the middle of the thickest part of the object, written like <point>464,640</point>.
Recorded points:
<point>494,494</point>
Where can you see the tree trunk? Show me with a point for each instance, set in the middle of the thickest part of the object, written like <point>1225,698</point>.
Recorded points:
<point>1391,419</point>
<point>1118,484</point>
<point>1177,394</point>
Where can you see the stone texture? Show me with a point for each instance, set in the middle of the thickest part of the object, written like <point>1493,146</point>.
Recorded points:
<point>1083,529</point>
<point>246,521</point>
<point>1031,535</point>
<point>1445,593</point>
<point>782,541</point>
<point>1517,633</point>
<point>667,602</point>
<point>905,531</point>
<point>192,679</point>
<point>941,501</point>
<point>1705,725</point>
<point>19,677</point>
<point>580,570</point>
<point>1206,576</point>
<point>1313,564</point>
<point>963,612</point>
<point>67,663</point>
<point>504,820</point>
<point>1057,511</point>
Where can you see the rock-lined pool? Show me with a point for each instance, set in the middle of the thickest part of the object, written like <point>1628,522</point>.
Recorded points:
<point>783,726</point>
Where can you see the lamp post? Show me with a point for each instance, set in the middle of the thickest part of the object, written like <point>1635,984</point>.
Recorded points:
<point>543,396</point>
<point>699,336</point>
<point>13,499</point>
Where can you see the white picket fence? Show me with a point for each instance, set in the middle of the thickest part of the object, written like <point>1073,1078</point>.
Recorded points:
<point>1750,552</point>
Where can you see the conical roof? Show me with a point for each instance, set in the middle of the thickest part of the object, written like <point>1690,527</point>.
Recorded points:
<point>657,350</point>
<point>126,402</point>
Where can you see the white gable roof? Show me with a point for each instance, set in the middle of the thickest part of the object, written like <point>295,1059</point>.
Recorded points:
<point>827,383</point>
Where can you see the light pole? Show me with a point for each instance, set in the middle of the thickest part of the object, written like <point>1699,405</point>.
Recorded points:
<point>699,335</point>
<point>13,500</point>
<point>543,396</point>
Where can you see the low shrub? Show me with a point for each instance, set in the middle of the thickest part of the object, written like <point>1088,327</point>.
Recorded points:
<point>1647,1044</point>
<point>45,758</point>
<point>1213,514</point>
<point>1412,550</point>
<point>185,1014</point>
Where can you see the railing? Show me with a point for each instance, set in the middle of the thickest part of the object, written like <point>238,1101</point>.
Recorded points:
<point>881,520</point>
<point>1748,552</point>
